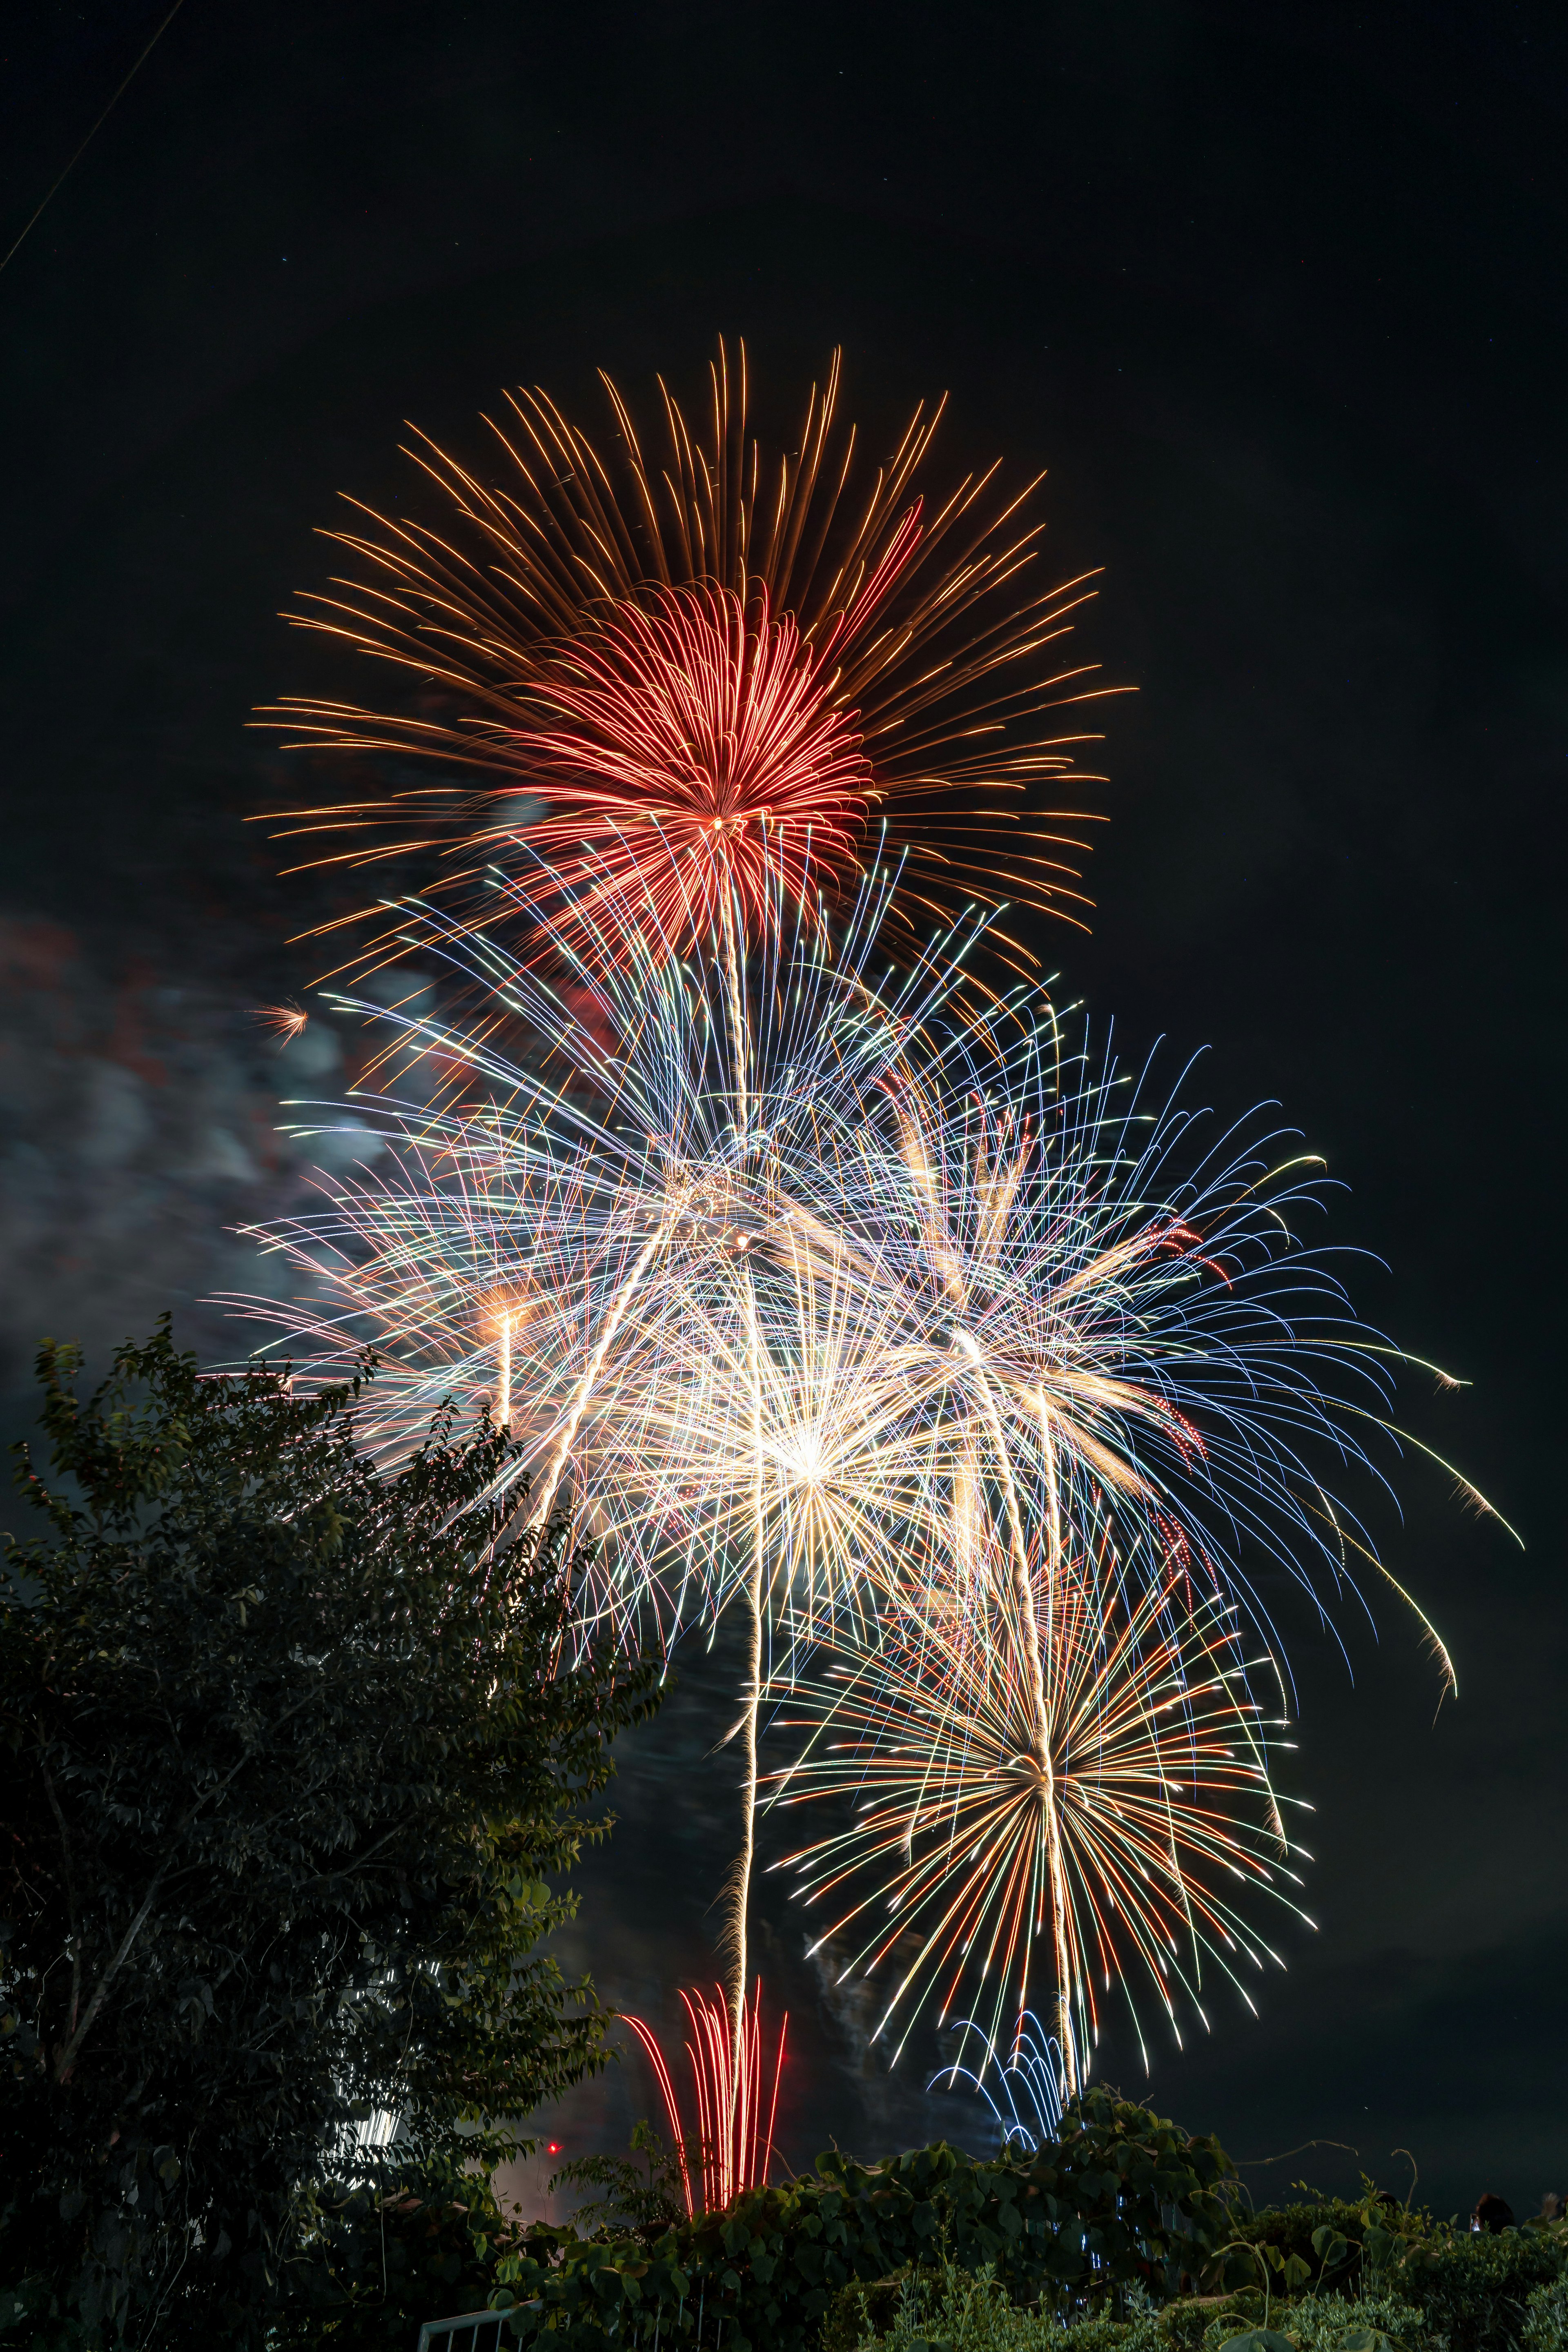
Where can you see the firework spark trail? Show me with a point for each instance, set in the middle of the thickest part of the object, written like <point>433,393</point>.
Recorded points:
<point>736,2095</point>
<point>667,677</point>
<point>1025,2072</point>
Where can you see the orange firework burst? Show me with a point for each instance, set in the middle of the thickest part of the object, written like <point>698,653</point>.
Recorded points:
<point>711,686</point>
<point>285,1021</point>
<point>737,2102</point>
<point>1076,1776</point>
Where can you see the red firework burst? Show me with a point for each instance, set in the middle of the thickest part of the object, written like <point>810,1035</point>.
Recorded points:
<point>694,684</point>
<point>696,756</point>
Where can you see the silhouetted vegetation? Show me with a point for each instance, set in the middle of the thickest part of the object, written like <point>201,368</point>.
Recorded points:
<point>291,1754</point>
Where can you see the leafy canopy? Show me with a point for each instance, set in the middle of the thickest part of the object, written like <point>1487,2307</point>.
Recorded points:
<point>290,1747</point>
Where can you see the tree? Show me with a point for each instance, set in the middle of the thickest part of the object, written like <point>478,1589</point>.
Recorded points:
<point>291,1747</point>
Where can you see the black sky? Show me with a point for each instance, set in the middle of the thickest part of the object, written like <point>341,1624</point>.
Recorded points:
<point>1277,296</point>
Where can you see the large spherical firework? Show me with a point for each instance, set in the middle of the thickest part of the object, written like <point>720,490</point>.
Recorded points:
<point>711,681</point>
<point>1113,1320</point>
<point>581,1229</point>
<point>1051,1794</point>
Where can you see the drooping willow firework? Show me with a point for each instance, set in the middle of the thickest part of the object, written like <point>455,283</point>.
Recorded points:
<point>704,686</point>
<point>1021,2082</point>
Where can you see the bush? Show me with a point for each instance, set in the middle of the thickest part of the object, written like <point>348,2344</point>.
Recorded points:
<point>954,2311</point>
<point>1460,2293</point>
<point>1475,2290</point>
<point>1109,2207</point>
<point>1339,2323</point>
<point>1468,2290</point>
<point>1545,2325</point>
<point>1324,2238</point>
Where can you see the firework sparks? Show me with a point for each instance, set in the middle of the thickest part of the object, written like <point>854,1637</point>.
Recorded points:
<point>735,2089</point>
<point>578,1237</point>
<point>949,1354</point>
<point>1002,1397</point>
<point>286,1022</point>
<point>705,685</point>
<point>1115,1842</point>
<point>1021,2083</point>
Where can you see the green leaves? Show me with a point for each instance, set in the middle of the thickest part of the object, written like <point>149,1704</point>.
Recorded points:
<point>1113,2202</point>
<point>289,1770</point>
<point>1331,2246</point>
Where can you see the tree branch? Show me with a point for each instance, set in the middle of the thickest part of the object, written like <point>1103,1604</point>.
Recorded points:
<point>69,1878</point>
<point>68,2055</point>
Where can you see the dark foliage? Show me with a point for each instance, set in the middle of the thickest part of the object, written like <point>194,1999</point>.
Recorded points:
<point>290,1753</point>
<point>1112,2205</point>
<point>1470,2286</point>
<point>378,2264</point>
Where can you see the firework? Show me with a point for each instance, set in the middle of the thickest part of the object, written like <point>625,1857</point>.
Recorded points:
<point>1117,1336</point>
<point>714,679</point>
<point>687,701</point>
<point>576,1229</point>
<point>736,2097</point>
<point>1021,2083</point>
<point>935,1342</point>
<point>285,1021</point>
<point>1095,1784</point>
<point>996,1387</point>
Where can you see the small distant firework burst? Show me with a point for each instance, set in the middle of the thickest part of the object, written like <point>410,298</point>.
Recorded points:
<point>286,1022</point>
<point>718,680</point>
<point>735,2093</point>
<point>832,1278</point>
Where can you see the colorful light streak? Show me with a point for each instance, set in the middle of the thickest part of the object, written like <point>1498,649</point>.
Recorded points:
<point>858,1296</point>
<point>709,678</point>
<point>735,2090</point>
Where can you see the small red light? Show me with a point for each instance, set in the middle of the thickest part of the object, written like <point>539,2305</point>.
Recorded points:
<point>554,2147</point>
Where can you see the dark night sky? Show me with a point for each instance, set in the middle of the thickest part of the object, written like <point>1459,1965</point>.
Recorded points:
<point>1277,296</point>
